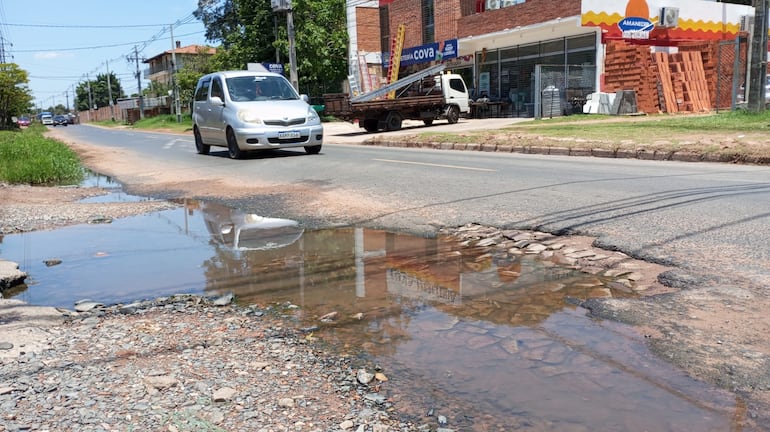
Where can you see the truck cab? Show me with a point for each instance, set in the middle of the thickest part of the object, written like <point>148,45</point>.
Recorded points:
<point>454,90</point>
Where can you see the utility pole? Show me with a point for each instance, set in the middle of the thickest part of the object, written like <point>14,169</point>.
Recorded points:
<point>90,99</point>
<point>75,104</point>
<point>285,6</point>
<point>109,92</point>
<point>139,83</point>
<point>292,49</point>
<point>275,30</point>
<point>175,87</point>
<point>758,69</point>
<point>3,41</point>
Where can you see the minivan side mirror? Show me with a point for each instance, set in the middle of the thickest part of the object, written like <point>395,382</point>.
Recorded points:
<point>305,98</point>
<point>216,100</point>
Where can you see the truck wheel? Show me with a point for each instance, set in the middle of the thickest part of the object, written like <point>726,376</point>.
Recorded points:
<point>232,145</point>
<point>428,122</point>
<point>453,114</point>
<point>370,125</point>
<point>393,121</point>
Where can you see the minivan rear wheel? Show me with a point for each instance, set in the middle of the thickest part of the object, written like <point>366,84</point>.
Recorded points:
<point>232,145</point>
<point>199,146</point>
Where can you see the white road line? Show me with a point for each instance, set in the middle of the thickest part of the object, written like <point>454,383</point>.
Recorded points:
<point>435,165</point>
<point>174,142</point>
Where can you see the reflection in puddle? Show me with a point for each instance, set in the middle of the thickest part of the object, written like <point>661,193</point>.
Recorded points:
<point>245,231</point>
<point>114,190</point>
<point>485,339</point>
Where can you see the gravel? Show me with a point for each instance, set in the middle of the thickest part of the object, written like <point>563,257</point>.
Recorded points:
<point>183,364</point>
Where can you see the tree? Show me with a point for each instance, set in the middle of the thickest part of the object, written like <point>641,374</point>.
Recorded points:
<point>242,26</point>
<point>321,41</point>
<point>100,96</point>
<point>15,96</point>
<point>187,77</point>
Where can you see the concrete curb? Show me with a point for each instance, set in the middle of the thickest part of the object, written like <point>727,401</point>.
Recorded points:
<point>641,154</point>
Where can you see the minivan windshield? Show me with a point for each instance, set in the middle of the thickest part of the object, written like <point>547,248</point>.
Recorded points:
<point>259,88</point>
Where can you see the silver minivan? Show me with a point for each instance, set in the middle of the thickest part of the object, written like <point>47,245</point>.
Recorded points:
<point>253,110</point>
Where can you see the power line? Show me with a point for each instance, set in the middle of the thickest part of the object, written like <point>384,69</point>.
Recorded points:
<point>97,46</point>
<point>85,26</point>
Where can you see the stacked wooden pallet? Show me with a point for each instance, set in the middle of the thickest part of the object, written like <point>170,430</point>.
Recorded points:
<point>668,101</point>
<point>683,84</point>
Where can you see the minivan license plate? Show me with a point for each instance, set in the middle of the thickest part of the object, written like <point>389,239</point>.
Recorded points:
<point>288,135</point>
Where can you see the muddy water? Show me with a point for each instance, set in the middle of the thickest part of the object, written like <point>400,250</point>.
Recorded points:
<point>486,341</point>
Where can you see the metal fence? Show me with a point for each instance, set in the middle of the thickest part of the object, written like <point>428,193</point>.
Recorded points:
<point>562,89</point>
<point>731,73</point>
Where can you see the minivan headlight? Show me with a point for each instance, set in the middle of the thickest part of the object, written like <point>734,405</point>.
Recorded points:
<point>312,116</point>
<point>249,116</point>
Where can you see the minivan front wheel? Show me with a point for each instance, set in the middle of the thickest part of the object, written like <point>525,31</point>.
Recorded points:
<point>199,146</point>
<point>232,145</point>
<point>315,149</point>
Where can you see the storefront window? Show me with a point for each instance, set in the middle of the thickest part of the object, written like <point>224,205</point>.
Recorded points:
<point>511,78</point>
<point>530,50</point>
<point>587,41</point>
<point>552,47</point>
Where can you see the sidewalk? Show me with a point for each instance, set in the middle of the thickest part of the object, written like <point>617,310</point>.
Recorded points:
<point>348,133</point>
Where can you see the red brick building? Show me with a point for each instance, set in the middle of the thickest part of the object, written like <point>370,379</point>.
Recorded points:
<point>515,50</point>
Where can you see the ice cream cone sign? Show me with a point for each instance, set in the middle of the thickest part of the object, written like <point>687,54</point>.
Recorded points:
<point>637,9</point>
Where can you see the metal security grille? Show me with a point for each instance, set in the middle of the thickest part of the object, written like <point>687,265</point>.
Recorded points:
<point>562,89</point>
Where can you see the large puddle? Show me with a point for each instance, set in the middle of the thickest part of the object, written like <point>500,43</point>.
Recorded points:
<point>486,341</point>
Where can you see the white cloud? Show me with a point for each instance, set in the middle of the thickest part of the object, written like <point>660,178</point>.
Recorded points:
<point>53,55</point>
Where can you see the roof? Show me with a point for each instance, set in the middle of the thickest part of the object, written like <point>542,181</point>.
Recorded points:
<point>189,49</point>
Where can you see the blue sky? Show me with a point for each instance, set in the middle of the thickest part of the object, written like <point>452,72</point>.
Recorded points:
<point>59,42</point>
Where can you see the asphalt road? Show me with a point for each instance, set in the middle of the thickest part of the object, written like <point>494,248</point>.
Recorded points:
<point>710,218</point>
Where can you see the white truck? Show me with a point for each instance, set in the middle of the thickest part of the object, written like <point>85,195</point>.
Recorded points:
<point>428,95</point>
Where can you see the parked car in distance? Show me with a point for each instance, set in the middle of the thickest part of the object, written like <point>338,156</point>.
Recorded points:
<point>23,121</point>
<point>60,120</point>
<point>253,110</point>
<point>46,119</point>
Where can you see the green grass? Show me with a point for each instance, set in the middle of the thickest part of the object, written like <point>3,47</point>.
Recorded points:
<point>608,128</point>
<point>161,122</point>
<point>27,157</point>
<point>166,122</point>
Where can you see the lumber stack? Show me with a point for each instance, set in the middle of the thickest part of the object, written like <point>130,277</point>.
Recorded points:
<point>689,81</point>
<point>662,82</point>
<point>667,98</point>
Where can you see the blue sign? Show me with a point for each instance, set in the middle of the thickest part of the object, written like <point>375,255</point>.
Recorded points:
<point>274,67</point>
<point>450,49</point>
<point>636,27</point>
<point>424,53</point>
